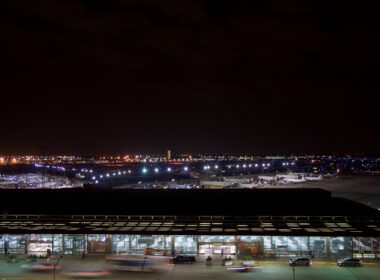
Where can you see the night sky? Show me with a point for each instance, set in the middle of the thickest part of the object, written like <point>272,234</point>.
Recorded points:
<point>237,77</point>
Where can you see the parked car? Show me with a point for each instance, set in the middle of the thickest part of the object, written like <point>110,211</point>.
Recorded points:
<point>300,261</point>
<point>350,262</point>
<point>183,259</point>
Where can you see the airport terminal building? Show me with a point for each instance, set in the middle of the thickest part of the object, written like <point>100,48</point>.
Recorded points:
<point>217,223</point>
<point>201,245</point>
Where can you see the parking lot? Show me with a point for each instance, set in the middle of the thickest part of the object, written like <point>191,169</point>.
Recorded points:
<point>265,270</point>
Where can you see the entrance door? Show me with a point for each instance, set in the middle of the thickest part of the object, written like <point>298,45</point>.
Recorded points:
<point>217,250</point>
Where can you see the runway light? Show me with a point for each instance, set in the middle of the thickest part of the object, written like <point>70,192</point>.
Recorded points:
<point>144,170</point>
<point>93,177</point>
<point>244,166</point>
<point>169,169</point>
<point>124,172</point>
<point>156,170</point>
<point>107,174</point>
<point>96,181</point>
<point>186,168</point>
<point>256,165</point>
<point>216,167</point>
<point>101,176</point>
<point>119,173</point>
<point>237,166</point>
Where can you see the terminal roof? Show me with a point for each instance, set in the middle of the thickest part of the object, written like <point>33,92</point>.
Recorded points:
<point>239,202</point>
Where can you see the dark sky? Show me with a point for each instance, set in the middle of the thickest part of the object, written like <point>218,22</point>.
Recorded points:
<point>249,77</point>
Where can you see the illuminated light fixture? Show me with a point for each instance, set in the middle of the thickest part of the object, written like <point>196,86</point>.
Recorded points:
<point>107,174</point>
<point>169,169</point>
<point>156,170</point>
<point>144,170</point>
<point>237,166</point>
<point>93,177</point>
<point>216,166</point>
<point>244,166</point>
<point>186,168</point>
<point>256,165</point>
<point>101,176</point>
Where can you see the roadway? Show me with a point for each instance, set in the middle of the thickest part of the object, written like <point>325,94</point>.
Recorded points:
<point>266,270</point>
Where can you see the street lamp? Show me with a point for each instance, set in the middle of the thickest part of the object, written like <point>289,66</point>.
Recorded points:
<point>56,264</point>
<point>294,272</point>
<point>171,273</point>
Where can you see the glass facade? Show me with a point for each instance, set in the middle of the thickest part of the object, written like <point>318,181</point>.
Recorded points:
<point>142,244</point>
<point>203,245</point>
<point>13,244</point>
<point>295,246</point>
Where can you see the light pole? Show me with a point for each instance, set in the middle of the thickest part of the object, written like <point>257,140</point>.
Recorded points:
<point>56,264</point>
<point>142,267</point>
<point>143,264</point>
<point>171,273</point>
<point>294,272</point>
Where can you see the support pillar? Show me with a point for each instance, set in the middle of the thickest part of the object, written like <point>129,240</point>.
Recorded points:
<point>328,242</point>
<point>173,246</point>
